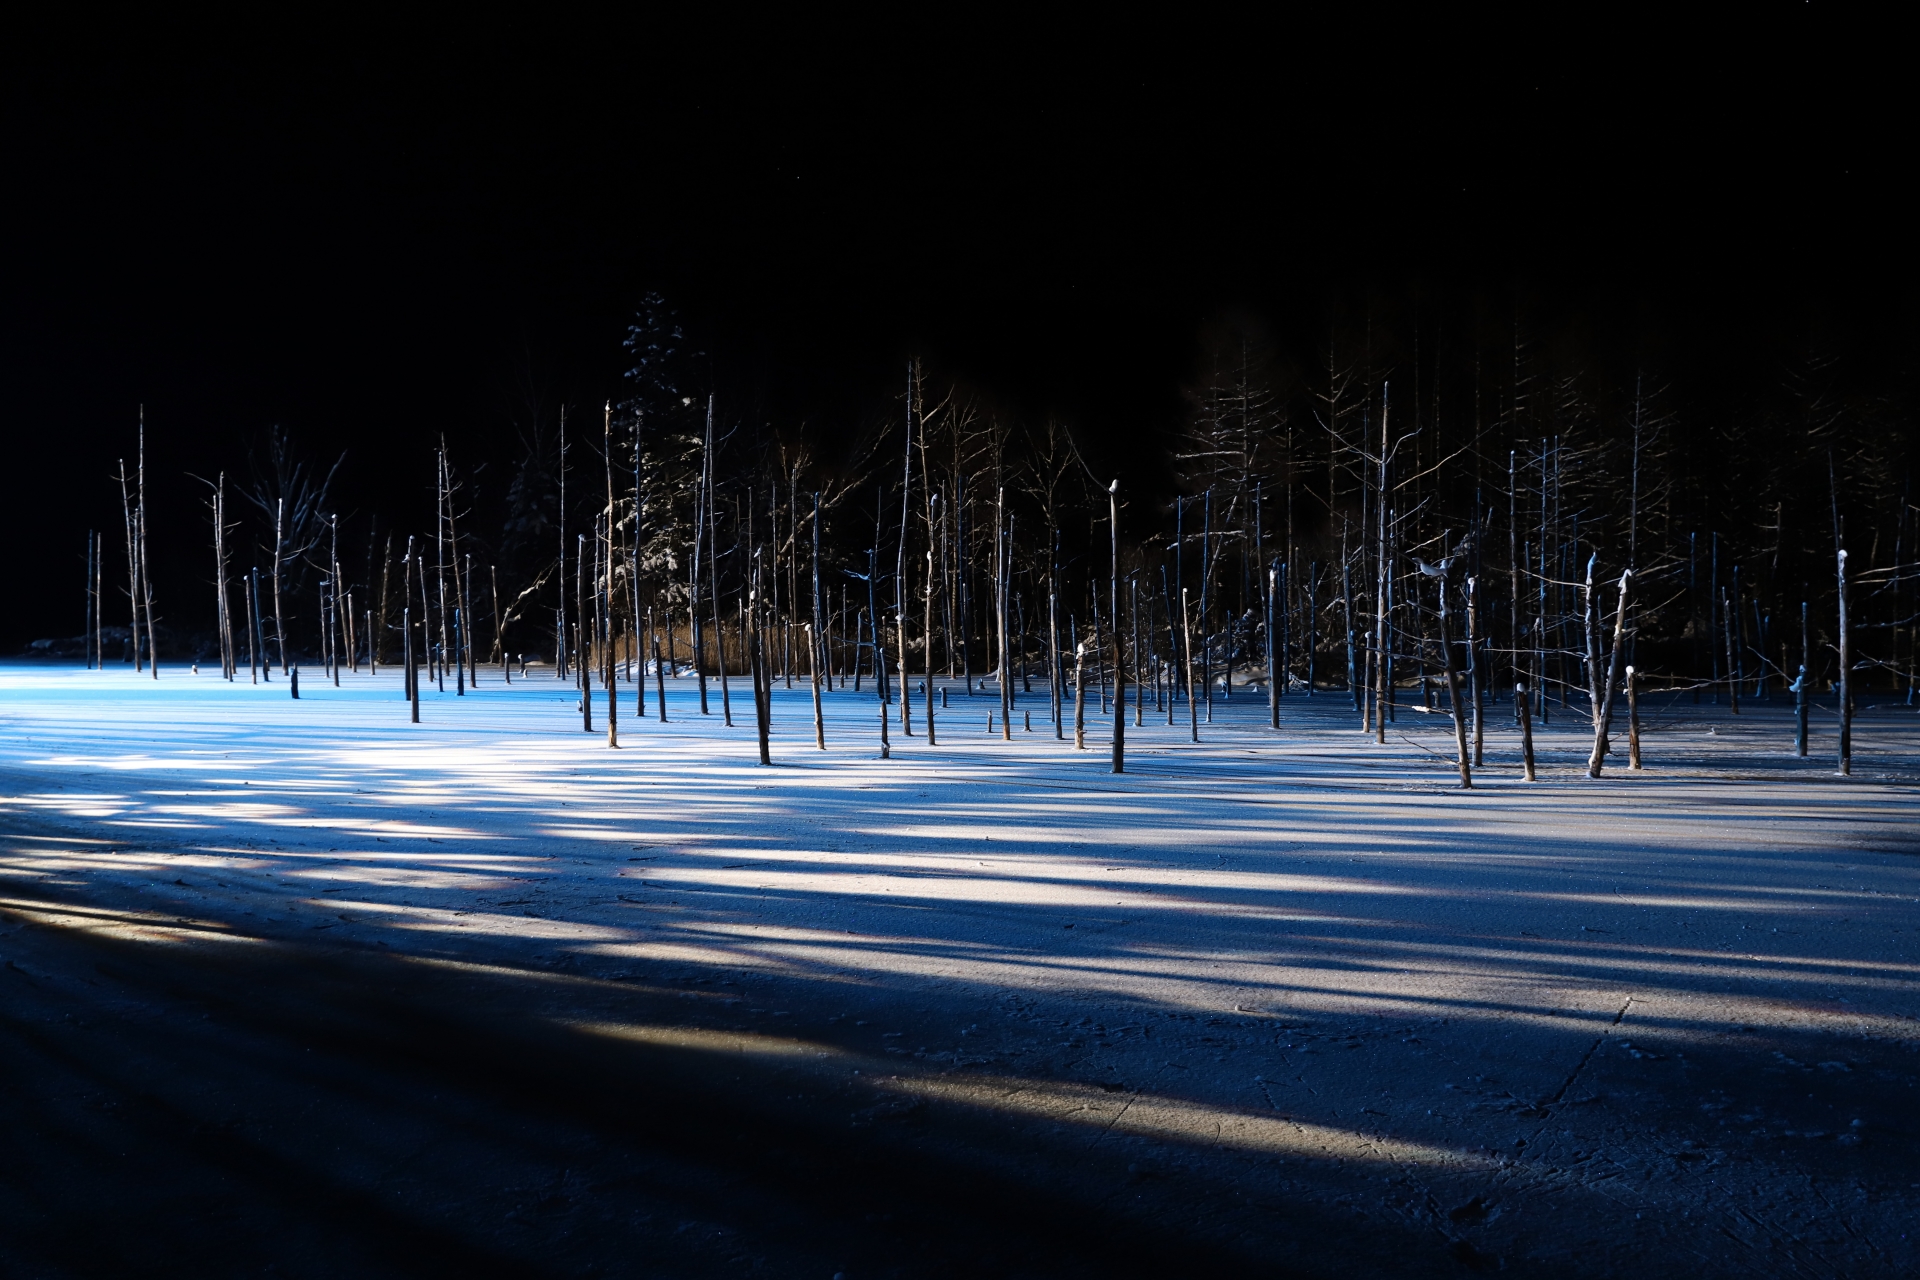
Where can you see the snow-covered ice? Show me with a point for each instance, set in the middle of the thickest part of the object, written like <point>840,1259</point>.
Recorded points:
<point>1575,1025</point>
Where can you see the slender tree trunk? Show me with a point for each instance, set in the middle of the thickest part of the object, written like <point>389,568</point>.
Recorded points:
<point>1381,675</point>
<point>1079,696</point>
<point>880,684</point>
<point>762,666</point>
<point>926,633</point>
<point>583,635</point>
<point>253,660</point>
<point>1633,719</point>
<point>279,545</point>
<point>1473,672</point>
<point>1590,620</point>
<point>260,630</point>
<point>1523,708</point>
<point>100,601</point>
<point>407,657</point>
<point>146,564</point>
<point>1802,689</point>
<point>906,691</point>
<point>819,640</point>
<point>660,681</point>
<point>1355,685</point>
<point>1119,662</point>
<point>1139,674</point>
<point>1603,723</point>
<point>1055,668</point>
<point>1846,668</point>
<point>1186,626</point>
<point>610,672</point>
<point>133,568</point>
<point>1273,650</point>
<point>333,592</point>
<point>1454,701</point>
<point>1310,631</point>
<point>468,644</point>
<point>499,648</point>
<point>1003,586</point>
<point>719,628</point>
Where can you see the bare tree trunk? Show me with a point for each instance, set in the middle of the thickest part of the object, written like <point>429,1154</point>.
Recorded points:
<point>1523,708</point>
<point>1119,662</point>
<point>1381,677</point>
<point>146,591</point>
<point>499,652</point>
<point>1473,672</point>
<point>1186,626</point>
<point>1590,620</point>
<point>583,637</point>
<point>1802,689</point>
<point>1603,723</point>
<point>610,672</point>
<point>146,565</point>
<point>1311,629</point>
<point>900,564</point>
<point>1846,668</point>
<point>819,639</point>
<point>466,606</point>
<point>880,684</point>
<point>1139,656</point>
<point>377,643</point>
<point>133,566</point>
<point>926,634</point>
<point>719,628</point>
<point>660,679</point>
<point>413,669</point>
<point>1055,669</point>
<point>279,543</point>
<point>1003,586</point>
<point>253,659</point>
<point>1273,650</point>
<point>260,630</point>
<point>761,663</point>
<point>228,656</point>
<point>1454,699</point>
<point>1633,719</point>
<point>100,600</point>
<point>333,636</point>
<point>1513,565</point>
<point>1079,696</point>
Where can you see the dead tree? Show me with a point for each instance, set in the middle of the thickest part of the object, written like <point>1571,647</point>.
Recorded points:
<point>1454,700</point>
<point>1603,716</point>
<point>1846,665</point>
<point>146,572</point>
<point>1186,627</point>
<point>1080,696</point>
<point>1523,708</point>
<point>279,542</point>
<point>819,645</point>
<point>1475,683</point>
<point>1802,688</point>
<point>1633,719</point>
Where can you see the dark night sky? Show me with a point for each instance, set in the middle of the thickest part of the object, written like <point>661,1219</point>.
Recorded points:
<point>376,235</point>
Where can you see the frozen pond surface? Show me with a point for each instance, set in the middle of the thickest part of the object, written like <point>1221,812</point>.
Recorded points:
<point>1264,1002</point>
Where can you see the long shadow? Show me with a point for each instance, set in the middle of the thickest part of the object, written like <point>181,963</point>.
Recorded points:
<point>307,1111</point>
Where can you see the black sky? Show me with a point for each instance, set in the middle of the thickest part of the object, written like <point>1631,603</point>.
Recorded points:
<point>377,234</point>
